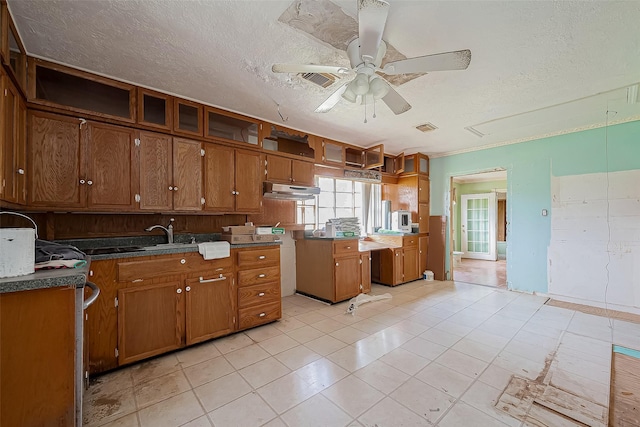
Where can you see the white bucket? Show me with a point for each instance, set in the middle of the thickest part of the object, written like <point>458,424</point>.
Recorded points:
<point>427,275</point>
<point>17,249</point>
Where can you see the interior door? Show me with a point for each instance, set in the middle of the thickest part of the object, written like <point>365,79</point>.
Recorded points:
<point>478,226</point>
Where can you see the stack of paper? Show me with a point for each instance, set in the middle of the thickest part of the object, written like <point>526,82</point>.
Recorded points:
<point>346,226</point>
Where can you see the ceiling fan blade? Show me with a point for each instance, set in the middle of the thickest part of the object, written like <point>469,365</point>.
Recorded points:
<point>396,102</point>
<point>332,100</point>
<point>308,68</point>
<point>372,17</point>
<point>458,60</point>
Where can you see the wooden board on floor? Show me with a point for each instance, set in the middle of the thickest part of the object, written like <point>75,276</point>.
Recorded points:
<point>624,406</point>
<point>596,311</point>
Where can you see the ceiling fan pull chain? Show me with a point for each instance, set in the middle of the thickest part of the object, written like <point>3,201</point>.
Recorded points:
<point>364,98</point>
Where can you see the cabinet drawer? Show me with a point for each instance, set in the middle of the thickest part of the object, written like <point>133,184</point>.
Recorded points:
<point>258,275</point>
<point>258,294</point>
<point>253,316</point>
<point>168,265</point>
<point>254,258</point>
<point>410,241</point>
<point>341,247</point>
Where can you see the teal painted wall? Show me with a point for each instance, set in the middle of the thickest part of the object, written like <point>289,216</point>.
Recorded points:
<point>502,250</point>
<point>471,188</point>
<point>530,166</point>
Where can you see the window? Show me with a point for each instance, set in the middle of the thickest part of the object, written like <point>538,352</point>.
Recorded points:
<point>340,198</point>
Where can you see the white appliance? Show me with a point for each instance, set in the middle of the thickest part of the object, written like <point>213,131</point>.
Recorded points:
<point>401,221</point>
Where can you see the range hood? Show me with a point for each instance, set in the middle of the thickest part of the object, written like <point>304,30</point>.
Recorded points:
<point>289,192</point>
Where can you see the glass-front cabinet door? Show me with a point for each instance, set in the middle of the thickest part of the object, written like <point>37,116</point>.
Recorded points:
<point>187,117</point>
<point>230,127</point>
<point>332,152</point>
<point>13,52</point>
<point>374,156</point>
<point>154,109</point>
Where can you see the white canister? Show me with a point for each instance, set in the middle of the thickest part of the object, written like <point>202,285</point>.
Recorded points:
<point>17,249</point>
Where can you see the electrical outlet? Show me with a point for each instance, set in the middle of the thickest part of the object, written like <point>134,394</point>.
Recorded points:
<point>544,212</point>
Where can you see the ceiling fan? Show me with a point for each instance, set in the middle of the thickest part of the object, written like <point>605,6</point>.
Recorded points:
<point>365,55</point>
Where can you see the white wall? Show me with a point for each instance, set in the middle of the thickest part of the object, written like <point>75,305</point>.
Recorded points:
<point>594,252</point>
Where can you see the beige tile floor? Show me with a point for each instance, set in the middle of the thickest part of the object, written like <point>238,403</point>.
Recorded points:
<point>437,353</point>
<point>480,272</point>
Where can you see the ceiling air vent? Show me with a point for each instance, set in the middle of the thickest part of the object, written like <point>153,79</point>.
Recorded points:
<point>427,127</point>
<point>321,79</point>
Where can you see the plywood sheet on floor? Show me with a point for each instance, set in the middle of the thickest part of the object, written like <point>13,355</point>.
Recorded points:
<point>596,311</point>
<point>624,408</point>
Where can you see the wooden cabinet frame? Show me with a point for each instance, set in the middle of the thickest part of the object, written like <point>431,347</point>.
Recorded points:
<point>176,117</point>
<point>7,26</point>
<point>168,110</point>
<point>31,90</point>
<point>258,123</point>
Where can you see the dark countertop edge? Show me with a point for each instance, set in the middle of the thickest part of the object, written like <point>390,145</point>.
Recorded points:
<point>189,249</point>
<point>75,277</point>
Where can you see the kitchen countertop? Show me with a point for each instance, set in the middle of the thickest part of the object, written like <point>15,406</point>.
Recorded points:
<point>78,276</point>
<point>75,277</point>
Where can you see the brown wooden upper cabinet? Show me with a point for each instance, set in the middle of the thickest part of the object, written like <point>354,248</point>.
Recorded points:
<point>365,158</point>
<point>331,152</point>
<point>187,117</point>
<point>154,109</point>
<point>13,144</point>
<point>72,90</point>
<point>170,173</point>
<point>288,142</point>
<point>232,179</point>
<point>393,164</point>
<point>289,171</point>
<point>77,164</point>
<point>417,163</point>
<point>230,127</point>
<point>13,52</point>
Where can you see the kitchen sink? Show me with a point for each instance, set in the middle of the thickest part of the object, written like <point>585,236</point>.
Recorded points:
<point>170,246</point>
<point>111,250</point>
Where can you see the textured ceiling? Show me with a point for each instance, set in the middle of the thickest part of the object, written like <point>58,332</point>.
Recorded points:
<point>527,56</point>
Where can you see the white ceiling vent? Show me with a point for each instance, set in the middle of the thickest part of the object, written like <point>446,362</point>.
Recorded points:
<point>427,127</point>
<point>321,79</point>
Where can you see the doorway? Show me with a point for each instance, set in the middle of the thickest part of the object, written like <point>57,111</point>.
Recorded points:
<point>479,226</point>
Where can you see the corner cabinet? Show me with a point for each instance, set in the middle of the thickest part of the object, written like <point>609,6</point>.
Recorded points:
<point>232,179</point>
<point>331,269</point>
<point>396,265</point>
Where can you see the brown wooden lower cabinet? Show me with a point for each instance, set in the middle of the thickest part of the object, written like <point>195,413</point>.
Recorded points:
<point>365,272</point>
<point>154,304</point>
<point>37,353</point>
<point>210,307</point>
<point>149,321</point>
<point>394,266</point>
<point>329,269</point>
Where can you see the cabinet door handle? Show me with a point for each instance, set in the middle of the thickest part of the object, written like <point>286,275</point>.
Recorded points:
<point>261,294</point>
<point>183,261</point>
<point>21,171</point>
<point>170,188</point>
<point>348,247</point>
<point>175,188</point>
<point>262,275</point>
<point>179,291</point>
<point>262,314</point>
<point>261,257</point>
<point>217,279</point>
<point>237,192</point>
<point>188,288</point>
<point>89,182</point>
<point>82,181</point>
<point>337,264</point>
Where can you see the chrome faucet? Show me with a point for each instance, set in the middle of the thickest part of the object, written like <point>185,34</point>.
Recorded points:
<point>168,230</point>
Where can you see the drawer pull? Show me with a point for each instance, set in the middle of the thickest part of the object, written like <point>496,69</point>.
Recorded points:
<point>262,275</point>
<point>182,261</point>
<point>217,279</point>
<point>219,268</point>
<point>262,257</point>
<point>262,314</point>
<point>348,247</point>
<point>137,280</point>
<point>261,294</point>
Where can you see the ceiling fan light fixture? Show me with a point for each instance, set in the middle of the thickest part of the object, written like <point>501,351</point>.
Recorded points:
<point>360,84</point>
<point>349,95</point>
<point>378,88</point>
